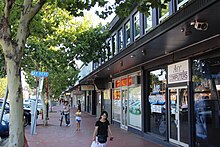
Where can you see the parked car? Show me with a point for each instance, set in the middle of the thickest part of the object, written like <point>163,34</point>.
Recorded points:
<point>27,113</point>
<point>4,126</point>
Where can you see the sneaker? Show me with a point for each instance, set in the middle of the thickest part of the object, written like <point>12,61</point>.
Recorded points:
<point>68,125</point>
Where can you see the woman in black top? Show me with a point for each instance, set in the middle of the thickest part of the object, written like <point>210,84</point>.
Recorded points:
<point>79,105</point>
<point>102,128</point>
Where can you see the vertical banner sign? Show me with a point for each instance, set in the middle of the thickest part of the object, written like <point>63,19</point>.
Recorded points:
<point>178,72</point>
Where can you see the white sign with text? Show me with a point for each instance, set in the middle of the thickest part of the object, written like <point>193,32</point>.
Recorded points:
<point>178,72</point>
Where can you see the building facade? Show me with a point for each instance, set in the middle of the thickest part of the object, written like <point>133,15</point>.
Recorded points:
<point>161,79</point>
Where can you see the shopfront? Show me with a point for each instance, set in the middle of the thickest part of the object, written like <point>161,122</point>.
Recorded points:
<point>206,96</point>
<point>126,104</point>
<point>178,123</point>
<point>157,102</point>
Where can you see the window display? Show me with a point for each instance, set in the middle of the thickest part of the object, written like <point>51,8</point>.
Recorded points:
<point>116,105</point>
<point>135,106</point>
<point>206,81</point>
<point>157,102</point>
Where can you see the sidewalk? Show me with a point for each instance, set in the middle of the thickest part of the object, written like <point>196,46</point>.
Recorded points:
<point>55,136</point>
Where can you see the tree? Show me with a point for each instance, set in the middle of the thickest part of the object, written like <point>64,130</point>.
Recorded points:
<point>15,19</point>
<point>3,84</point>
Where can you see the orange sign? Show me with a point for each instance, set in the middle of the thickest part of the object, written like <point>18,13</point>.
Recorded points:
<point>130,82</point>
<point>124,82</point>
<point>116,95</point>
<point>117,83</point>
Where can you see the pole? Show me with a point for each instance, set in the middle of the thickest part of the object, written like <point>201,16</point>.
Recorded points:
<point>47,98</point>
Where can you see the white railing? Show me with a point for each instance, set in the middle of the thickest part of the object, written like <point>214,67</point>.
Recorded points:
<point>179,5</point>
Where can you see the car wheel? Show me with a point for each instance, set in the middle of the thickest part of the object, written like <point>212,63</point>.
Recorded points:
<point>25,121</point>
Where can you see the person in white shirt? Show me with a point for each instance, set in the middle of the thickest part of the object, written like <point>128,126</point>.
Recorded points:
<point>66,111</point>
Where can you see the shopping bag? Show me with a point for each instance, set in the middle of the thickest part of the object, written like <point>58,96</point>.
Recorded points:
<point>94,144</point>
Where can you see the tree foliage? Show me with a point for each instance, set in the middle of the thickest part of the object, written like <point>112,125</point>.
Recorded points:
<point>91,44</point>
<point>3,84</point>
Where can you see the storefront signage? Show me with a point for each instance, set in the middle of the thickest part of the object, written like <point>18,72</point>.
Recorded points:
<point>87,87</point>
<point>124,82</point>
<point>178,72</point>
<point>77,92</point>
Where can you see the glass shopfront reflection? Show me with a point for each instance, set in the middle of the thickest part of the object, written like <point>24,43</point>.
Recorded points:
<point>206,81</point>
<point>178,115</point>
<point>157,102</point>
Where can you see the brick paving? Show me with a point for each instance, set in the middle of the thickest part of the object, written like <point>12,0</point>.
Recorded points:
<point>55,136</point>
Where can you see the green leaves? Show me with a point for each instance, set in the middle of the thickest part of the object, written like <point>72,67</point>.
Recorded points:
<point>91,44</point>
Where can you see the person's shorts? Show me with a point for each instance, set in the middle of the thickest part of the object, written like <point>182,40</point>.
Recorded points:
<point>77,120</point>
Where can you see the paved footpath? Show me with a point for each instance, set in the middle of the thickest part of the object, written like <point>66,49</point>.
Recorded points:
<point>55,136</point>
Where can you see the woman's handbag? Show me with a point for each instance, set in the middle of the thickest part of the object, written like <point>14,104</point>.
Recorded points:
<point>94,144</point>
<point>102,138</point>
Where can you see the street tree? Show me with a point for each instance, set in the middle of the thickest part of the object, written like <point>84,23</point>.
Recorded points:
<point>3,84</point>
<point>15,19</point>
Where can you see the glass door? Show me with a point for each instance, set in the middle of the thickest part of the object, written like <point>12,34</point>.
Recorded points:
<point>124,106</point>
<point>178,116</point>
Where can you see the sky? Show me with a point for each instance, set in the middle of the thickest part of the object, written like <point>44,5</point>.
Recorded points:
<point>97,19</point>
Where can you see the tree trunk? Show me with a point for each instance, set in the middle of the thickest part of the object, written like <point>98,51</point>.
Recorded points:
<point>16,131</point>
<point>44,110</point>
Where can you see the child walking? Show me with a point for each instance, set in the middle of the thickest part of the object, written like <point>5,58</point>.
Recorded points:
<point>78,119</point>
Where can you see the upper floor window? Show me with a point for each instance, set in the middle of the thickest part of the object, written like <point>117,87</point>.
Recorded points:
<point>95,65</point>
<point>128,33</point>
<point>181,3</point>
<point>148,21</point>
<point>106,54</point>
<point>110,53</point>
<point>114,45</point>
<point>163,12</point>
<point>120,39</point>
<point>136,25</point>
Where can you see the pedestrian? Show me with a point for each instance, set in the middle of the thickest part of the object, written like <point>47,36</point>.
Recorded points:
<point>79,105</point>
<point>66,111</point>
<point>78,119</point>
<point>102,129</point>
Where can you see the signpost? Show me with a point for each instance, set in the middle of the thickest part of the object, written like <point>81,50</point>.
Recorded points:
<point>41,75</point>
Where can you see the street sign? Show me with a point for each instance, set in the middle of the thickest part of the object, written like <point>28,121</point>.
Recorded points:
<point>39,74</point>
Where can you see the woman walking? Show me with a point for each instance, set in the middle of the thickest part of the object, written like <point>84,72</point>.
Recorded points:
<point>102,129</point>
<point>78,119</point>
<point>66,111</point>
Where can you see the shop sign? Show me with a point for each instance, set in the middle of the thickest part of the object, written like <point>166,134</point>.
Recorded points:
<point>124,82</point>
<point>77,92</point>
<point>87,87</point>
<point>178,72</point>
<point>117,83</point>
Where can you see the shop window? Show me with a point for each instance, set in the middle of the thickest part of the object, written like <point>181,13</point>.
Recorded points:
<point>136,25</point>
<point>157,102</point>
<point>114,45</point>
<point>128,33</point>
<point>120,39</point>
<point>206,81</point>
<point>107,102</point>
<point>134,104</point>
<point>110,53</point>
<point>181,3</point>
<point>148,21</point>
<point>116,105</point>
<point>163,12</point>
